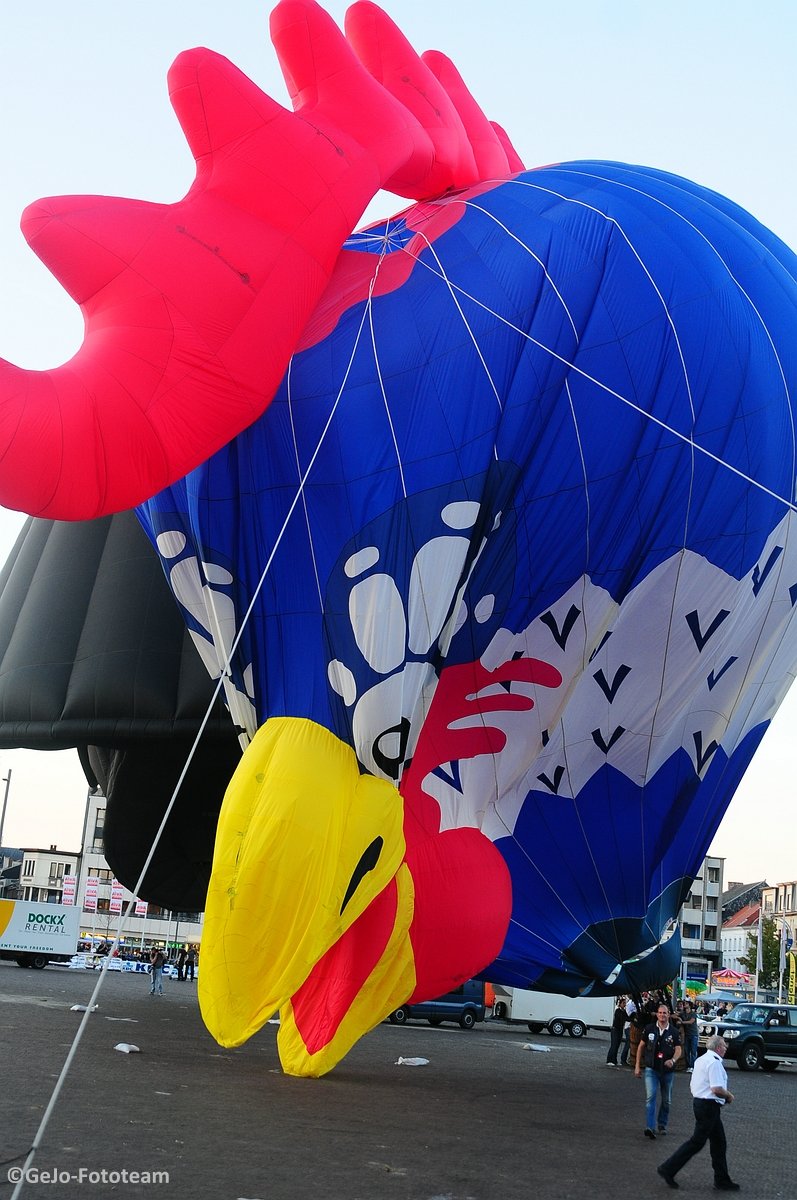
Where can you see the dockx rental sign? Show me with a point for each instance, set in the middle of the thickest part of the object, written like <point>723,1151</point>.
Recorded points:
<point>51,928</point>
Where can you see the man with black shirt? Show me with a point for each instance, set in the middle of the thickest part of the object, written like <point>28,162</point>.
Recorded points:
<point>660,1048</point>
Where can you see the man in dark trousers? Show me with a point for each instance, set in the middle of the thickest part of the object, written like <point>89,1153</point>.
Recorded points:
<point>660,1049</point>
<point>709,1087</point>
<point>618,1028</point>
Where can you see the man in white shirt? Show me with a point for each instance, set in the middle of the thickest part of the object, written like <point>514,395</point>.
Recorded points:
<point>709,1087</point>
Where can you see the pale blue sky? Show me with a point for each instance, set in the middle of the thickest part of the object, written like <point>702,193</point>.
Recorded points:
<point>705,88</point>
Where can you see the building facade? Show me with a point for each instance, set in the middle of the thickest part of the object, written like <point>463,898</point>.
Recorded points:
<point>700,920</point>
<point>83,877</point>
<point>736,937</point>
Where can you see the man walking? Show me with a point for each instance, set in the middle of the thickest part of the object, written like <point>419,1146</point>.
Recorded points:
<point>709,1086</point>
<point>660,1048</point>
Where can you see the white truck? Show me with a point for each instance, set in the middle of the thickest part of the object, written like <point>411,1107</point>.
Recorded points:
<point>34,934</point>
<point>558,1014</point>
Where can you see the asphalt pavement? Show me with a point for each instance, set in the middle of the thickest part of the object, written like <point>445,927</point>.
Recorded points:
<point>486,1118</point>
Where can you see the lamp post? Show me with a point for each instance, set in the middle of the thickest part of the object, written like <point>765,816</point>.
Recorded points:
<point>784,946</point>
<point>7,782</point>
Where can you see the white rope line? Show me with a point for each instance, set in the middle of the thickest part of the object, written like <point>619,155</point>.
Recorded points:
<point>673,181</point>
<point>682,437</point>
<point>442,275</point>
<point>226,669</point>
<point>388,414</point>
<point>532,254</point>
<point>310,541</point>
<point>606,218</point>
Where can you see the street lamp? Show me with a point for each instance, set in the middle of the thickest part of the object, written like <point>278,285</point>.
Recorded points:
<point>785,944</point>
<point>7,782</point>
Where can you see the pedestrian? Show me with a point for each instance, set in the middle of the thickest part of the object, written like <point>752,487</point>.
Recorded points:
<point>660,1049</point>
<point>689,1033</point>
<point>709,1087</point>
<point>157,959</point>
<point>630,1009</point>
<point>619,1020</point>
<point>181,957</point>
<point>190,962</point>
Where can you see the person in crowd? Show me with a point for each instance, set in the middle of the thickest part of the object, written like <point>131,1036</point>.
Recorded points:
<point>659,1050</point>
<point>709,1087</point>
<point>630,1009</point>
<point>619,1020</point>
<point>190,963</point>
<point>689,1035</point>
<point>181,957</point>
<point>157,961</point>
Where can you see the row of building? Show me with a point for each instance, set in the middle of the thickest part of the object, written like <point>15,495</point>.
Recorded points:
<point>716,920</point>
<point>83,877</point>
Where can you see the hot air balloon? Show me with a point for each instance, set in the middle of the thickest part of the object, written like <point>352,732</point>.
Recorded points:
<point>483,515</point>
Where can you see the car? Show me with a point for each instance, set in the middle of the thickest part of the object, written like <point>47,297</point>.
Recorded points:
<point>464,1004</point>
<point>757,1035</point>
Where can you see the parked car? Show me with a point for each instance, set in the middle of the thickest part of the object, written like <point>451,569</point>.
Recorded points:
<point>757,1035</point>
<point>465,1005</point>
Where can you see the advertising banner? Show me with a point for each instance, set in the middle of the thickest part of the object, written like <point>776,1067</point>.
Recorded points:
<point>90,896</point>
<point>141,908</point>
<point>117,895</point>
<point>68,889</point>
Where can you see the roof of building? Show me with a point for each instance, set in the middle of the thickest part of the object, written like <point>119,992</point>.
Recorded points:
<point>734,890</point>
<point>744,917</point>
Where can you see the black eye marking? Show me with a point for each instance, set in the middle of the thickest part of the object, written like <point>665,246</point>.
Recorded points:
<point>368,860</point>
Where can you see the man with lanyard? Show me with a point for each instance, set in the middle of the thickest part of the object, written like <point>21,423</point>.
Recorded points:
<point>660,1047</point>
<point>709,1086</point>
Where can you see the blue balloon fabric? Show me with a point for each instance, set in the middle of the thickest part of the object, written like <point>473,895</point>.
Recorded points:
<point>545,421</point>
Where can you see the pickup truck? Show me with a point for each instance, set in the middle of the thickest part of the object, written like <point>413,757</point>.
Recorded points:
<point>35,934</point>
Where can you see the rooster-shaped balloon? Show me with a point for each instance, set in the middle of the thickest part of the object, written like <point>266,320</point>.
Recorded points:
<point>484,513</point>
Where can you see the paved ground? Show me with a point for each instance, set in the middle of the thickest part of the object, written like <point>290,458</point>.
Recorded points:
<point>484,1120</point>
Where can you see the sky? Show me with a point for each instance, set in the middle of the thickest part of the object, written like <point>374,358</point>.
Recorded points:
<point>705,89</point>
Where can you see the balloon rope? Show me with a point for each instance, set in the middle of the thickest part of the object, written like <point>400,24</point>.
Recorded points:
<point>59,1083</point>
<point>682,437</point>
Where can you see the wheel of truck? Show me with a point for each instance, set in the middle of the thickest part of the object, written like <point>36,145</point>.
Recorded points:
<point>536,1026</point>
<point>751,1057</point>
<point>39,962</point>
<point>467,1020</point>
<point>557,1027</point>
<point>435,1021</point>
<point>22,962</point>
<point>499,1009</point>
<point>577,1029</point>
<point>399,1017</point>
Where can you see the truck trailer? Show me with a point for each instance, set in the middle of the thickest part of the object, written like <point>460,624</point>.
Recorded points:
<point>575,1015</point>
<point>34,934</point>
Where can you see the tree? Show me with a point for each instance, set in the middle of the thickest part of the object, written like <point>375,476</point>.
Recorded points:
<point>768,979</point>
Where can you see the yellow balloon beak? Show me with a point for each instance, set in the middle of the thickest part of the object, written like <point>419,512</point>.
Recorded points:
<point>305,845</point>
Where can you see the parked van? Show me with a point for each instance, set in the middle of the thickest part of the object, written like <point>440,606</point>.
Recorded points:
<point>558,1014</point>
<point>465,1005</point>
